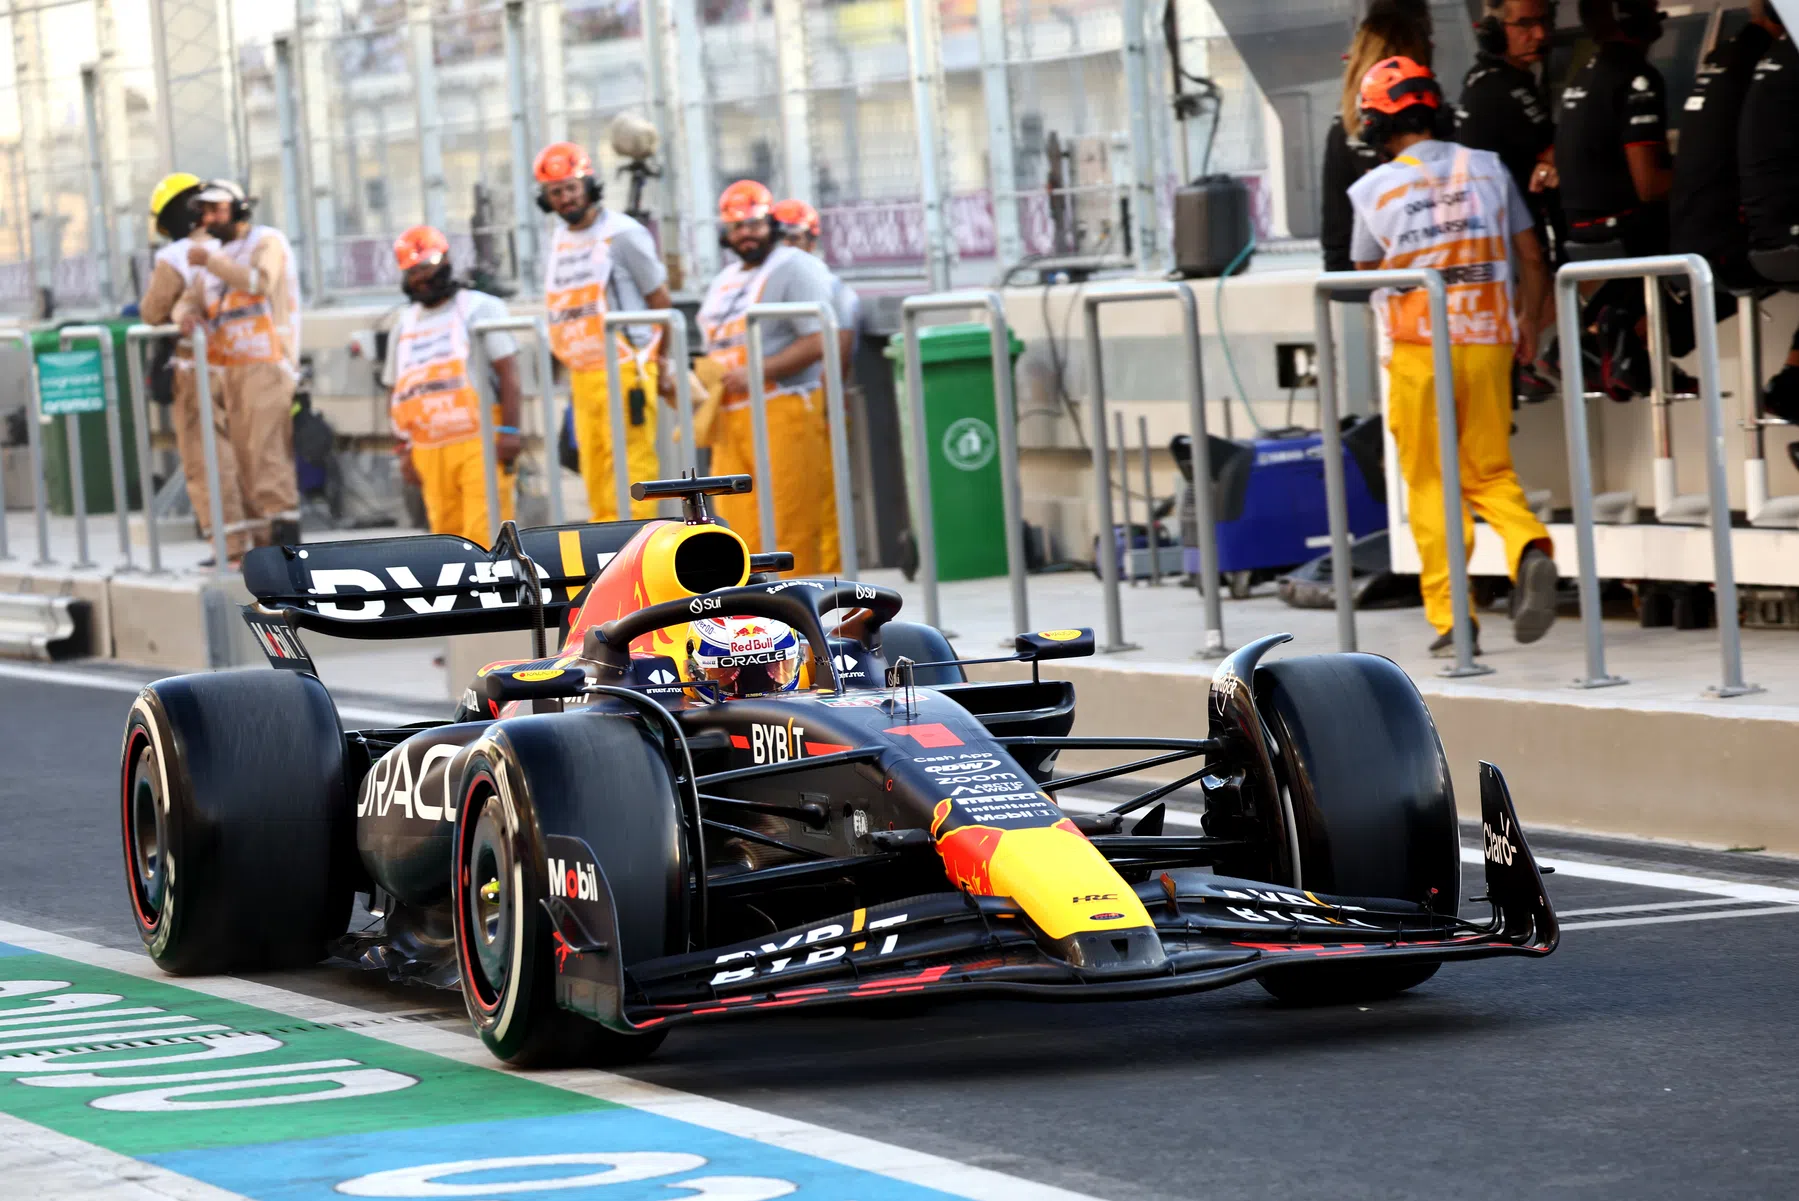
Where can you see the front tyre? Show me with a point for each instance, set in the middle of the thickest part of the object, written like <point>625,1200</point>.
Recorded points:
<point>499,877</point>
<point>1359,760</point>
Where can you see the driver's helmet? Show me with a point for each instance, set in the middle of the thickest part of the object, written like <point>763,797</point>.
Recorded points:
<point>743,656</point>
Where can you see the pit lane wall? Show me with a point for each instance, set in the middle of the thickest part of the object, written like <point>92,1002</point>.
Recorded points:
<point>1583,762</point>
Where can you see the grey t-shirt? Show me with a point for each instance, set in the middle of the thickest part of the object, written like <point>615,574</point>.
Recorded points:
<point>481,307</point>
<point>637,270</point>
<point>799,277</point>
<point>847,304</point>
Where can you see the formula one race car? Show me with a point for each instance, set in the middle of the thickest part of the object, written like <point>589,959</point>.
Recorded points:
<point>601,844</point>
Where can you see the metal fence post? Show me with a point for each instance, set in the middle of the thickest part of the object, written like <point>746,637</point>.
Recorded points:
<point>674,326</point>
<point>1580,478</point>
<point>1699,279</point>
<point>1448,452</point>
<point>1182,294</point>
<point>136,338</point>
<point>1335,499</point>
<point>39,502</point>
<point>115,438</point>
<point>1005,412</point>
<point>209,445</point>
<point>832,367</point>
<point>525,224</point>
<point>480,368</point>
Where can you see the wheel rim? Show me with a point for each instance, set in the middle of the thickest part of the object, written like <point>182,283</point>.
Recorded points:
<point>148,838</point>
<point>489,902</point>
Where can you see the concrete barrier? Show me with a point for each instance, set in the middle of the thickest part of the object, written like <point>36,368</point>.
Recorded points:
<point>88,587</point>
<point>182,623</point>
<point>1697,773</point>
<point>35,626</point>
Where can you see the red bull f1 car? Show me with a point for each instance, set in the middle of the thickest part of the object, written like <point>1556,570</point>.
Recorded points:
<point>595,847</point>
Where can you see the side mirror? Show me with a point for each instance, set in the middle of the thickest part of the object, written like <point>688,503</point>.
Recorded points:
<point>525,683</point>
<point>1054,644</point>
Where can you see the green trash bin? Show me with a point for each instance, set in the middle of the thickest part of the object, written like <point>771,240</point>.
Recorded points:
<point>96,469</point>
<point>968,512</point>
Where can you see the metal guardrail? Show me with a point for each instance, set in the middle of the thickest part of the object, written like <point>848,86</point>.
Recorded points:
<point>1182,294</point>
<point>36,626</point>
<point>36,450</point>
<point>1580,471</point>
<point>834,413</point>
<point>1448,452</point>
<point>1762,510</point>
<point>136,339</point>
<point>479,369</point>
<point>674,325</point>
<point>1005,411</point>
<point>115,445</point>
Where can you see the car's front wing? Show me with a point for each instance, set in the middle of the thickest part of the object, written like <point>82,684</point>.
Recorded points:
<point>1208,932</point>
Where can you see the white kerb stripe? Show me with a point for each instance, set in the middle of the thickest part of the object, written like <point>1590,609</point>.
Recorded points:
<point>851,1150</point>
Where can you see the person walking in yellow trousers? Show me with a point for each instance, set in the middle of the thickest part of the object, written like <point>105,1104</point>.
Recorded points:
<point>799,437</point>
<point>1440,205</point>
<point>435,407</point>
<point>600,260</point>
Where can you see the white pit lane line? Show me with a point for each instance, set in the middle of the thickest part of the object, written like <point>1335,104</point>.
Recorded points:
<point>852,1150</point>
<point>1719,893</point>
<point>357,714</point>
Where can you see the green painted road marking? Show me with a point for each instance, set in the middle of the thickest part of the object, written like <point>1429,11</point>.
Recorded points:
<point>140,1067</point>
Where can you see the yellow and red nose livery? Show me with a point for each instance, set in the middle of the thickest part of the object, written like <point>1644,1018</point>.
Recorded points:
<point>1052,872</point>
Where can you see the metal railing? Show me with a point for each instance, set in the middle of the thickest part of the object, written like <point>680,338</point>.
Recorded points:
<point>479,369</point>
<point>674,325</point>
<point>1448,452</point>
<point>834,412</point>
<point>115,445</point>
<point>1580,471</point>
<point>1181,294</point>
<point>35,449</point>
<point>136,339</point>
<point>1005,411</point>
<point>1762,510</point>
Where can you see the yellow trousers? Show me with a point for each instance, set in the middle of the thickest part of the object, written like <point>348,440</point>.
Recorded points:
<point>593,433</point>
<point>1490,490</point>
<point>455,489</point>
<point>799,455</point>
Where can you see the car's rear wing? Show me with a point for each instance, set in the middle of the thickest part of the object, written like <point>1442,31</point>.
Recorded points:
<point>428,585</point>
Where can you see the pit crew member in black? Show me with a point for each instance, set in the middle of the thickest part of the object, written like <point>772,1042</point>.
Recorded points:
<point>1392,27</point>
<point>1503,110</point>
<point>1768,162</point>
<point>1705,206</point>
<point>1611,150</point>
<point>1502,107</point>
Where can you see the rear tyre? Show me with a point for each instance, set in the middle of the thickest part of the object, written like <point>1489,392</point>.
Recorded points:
<point>1372,804</point>
<point>921,644</point>
<point>238,830</point>
<point>596,773</point>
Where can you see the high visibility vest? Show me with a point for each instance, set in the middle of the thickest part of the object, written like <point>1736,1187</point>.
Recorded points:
<point>434,402</point>
<point>1457,224</point>
<point>722,317</point>
<point>241,325</point>
<point>574,288</point>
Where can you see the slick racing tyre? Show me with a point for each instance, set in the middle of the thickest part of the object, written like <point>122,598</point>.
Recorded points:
<point>596,774</point>
<point>1371,801</point>
<point>921,644</point>
<point>238,830</point>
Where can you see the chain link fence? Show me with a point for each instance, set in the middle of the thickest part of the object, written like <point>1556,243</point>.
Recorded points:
<point>1063,68</point>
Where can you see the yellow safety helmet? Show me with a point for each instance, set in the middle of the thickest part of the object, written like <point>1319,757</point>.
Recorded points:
<point>169,187</point>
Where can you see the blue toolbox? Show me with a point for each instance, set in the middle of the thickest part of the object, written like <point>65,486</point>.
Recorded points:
<point>1268,496</point>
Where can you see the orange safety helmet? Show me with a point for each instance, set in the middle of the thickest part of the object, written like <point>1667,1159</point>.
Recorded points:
<point>797,216</point>
<point>420,244</point>
<point>1398,83</point>
<point>559,161</point>
<point>745,200</point>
